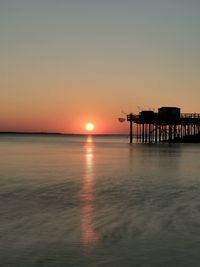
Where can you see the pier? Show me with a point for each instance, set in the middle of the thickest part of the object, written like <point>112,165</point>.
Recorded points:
<point>166,125</point>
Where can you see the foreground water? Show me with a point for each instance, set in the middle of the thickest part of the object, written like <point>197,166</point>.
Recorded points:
<point>98,201</point>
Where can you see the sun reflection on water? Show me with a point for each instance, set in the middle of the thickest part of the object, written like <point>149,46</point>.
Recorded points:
<point>89,234</point>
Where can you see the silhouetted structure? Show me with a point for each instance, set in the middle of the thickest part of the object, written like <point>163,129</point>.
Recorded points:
<point>167,125</point>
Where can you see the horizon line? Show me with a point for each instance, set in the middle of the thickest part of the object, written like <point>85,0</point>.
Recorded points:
<point>57,133</point>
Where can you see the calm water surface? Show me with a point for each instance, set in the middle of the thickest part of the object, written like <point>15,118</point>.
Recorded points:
<point>98,201</point>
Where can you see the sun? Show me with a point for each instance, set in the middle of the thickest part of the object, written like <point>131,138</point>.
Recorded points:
<point>89,126</point>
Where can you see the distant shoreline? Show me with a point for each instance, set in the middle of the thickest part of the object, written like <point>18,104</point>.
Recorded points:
<point>35,133</point>
<point>59,134</point>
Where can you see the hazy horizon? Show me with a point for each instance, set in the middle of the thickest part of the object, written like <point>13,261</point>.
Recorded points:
<point>60,133</point>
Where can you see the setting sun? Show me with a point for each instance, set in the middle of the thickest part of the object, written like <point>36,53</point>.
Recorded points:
<point>89,126</point>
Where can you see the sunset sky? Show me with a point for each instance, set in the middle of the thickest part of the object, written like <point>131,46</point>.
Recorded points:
<point>64,63</point>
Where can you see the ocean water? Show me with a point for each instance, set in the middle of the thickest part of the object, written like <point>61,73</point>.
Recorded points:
<point>98,201</point>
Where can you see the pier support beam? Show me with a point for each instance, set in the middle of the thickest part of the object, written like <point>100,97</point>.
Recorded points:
<point>131,129</point>
<point>152,128</point>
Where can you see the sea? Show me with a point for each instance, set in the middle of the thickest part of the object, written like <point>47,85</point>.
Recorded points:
<point>98,201</point>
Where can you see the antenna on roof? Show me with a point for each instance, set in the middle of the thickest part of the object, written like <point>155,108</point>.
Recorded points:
<point>152,109</point>
<point>139,108</point>
<point>123,112</point>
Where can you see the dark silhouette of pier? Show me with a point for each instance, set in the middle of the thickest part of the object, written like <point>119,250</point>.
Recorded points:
<point>166,125</point>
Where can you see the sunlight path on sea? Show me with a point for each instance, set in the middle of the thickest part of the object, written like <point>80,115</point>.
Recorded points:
<point>89,234</point>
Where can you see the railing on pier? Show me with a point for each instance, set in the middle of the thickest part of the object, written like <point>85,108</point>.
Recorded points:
<point>132,117</point>
<point>190,115</point>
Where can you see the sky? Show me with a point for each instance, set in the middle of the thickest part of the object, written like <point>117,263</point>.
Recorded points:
<point>67,62</point>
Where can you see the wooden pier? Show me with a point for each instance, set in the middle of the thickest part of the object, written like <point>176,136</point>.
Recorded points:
<point>167,125</point>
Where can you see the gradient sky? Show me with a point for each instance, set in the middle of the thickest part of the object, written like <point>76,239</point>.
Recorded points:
<point>66,62</point>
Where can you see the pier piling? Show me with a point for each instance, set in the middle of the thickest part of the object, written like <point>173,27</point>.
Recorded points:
<point>167,125</point>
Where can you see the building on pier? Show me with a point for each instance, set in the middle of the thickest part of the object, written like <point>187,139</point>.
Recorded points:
<point>166,125</point>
